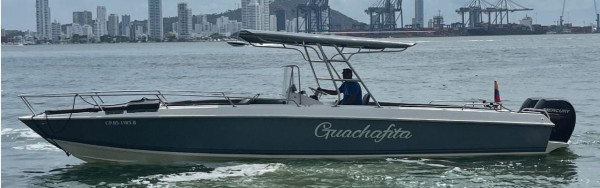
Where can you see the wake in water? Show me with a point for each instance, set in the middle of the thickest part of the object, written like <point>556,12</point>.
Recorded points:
<point>40,146</point>
<point>241,170</point>
<point>19,133</point>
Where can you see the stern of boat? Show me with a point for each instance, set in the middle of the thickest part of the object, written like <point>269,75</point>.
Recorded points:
<point>560,112</point>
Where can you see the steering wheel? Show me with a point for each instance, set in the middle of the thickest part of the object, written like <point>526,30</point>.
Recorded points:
<point>317,91</point>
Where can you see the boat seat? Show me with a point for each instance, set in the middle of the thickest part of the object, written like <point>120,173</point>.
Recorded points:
<point>67,111</point>
<point>366,98</point>
<point>143,105</point>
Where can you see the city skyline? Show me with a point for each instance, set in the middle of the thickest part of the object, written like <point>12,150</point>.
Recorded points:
<point>20,15</point>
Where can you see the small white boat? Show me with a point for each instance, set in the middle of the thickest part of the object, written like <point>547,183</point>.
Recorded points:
<point>237,43</point>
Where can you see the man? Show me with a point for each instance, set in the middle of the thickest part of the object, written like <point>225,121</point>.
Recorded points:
<point>351,90</point>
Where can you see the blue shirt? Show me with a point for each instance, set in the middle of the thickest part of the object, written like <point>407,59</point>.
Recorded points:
<point>350,89</point>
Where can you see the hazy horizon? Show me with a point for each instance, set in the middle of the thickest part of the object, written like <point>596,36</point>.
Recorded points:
<point>20,14</point>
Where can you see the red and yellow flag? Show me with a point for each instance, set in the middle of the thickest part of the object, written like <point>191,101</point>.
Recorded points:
<point>496,93</point>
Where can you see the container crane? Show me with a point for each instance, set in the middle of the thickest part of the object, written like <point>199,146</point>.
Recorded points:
<point>383,15</point>
<point>316,14</point>
<point>561,21</point>
<point>497,12</point>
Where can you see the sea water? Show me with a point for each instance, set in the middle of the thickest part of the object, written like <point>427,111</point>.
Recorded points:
<point>454,68</point>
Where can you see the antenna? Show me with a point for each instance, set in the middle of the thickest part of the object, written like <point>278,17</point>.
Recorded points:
<point>595,7</point>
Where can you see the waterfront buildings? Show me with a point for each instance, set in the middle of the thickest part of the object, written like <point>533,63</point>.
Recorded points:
<point>155,20</point>
<point>256,14</point>
<point>100,25</point>
<point>273,23</point>
<point>265,14</point>
<point>44,26</point>
<point>81,30</point>
<point>125,24</point>
<point>250,13</point>
<point>280,20</point>
<point>56,31</point>
<point>222,23</point>
<point>226,27</point>
<point>184,29</point>
<point>175,27</point>
<point>83,18</point>
<point>138,31</point>
<point>418,21</point>
<point>202,26</point>
<point>113,25</point>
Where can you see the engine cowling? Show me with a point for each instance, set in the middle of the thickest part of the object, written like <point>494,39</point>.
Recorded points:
<point>561,113</point>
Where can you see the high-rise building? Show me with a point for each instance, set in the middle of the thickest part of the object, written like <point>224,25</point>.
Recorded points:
<point>137,29</point>
<point>265,14</point>
<point>273,23</point>
<point>81,30</point>
<point>202,26</point>
<point>113,25</point>
<point>202,18</point>
<point>155,19</point>
<point>44,26</point>
<point>185,21</point>
<point>83,18</point>
<point>100,22</point>
<point>256,14</point>
<point>245,13</point>
<point>56,31</point>
<point>419,14</point>
<point>221,24</point>
<point>280,20</point>
<point>125,24</point>
<point>250,14</point>
<point>175,27</point>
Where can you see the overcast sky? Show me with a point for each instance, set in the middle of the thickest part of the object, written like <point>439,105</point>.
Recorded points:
<point>20,14</point>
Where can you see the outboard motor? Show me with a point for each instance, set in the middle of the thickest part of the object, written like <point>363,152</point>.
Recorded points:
<point>561,113</point>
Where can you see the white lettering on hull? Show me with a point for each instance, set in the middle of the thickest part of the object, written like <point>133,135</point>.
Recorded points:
<point>120,122</point>
<point>325,130</point>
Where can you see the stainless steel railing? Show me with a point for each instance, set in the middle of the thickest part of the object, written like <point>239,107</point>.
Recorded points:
<point>98,98</point>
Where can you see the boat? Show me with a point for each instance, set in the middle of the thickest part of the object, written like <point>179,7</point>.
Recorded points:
<point>498,31</point>
<point>237,43</point>
<point>220,126</point>
<point>13,44</point>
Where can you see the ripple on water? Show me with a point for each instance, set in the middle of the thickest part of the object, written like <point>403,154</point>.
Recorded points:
<point>40,146</point>
<point>13,133</point>
<point>242,170</point>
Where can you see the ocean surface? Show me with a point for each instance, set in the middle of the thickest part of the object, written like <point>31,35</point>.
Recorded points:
<point>454,68</point>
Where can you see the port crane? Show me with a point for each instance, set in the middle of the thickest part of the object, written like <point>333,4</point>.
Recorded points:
<point>497,12</point>
<point>383,15</point>
<point>561,21</point>
<point>316,14</point>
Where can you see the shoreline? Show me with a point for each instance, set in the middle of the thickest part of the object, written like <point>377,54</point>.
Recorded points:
<point>231,39</point>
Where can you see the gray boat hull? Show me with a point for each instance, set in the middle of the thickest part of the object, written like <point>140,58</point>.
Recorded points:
<point>167,139</point>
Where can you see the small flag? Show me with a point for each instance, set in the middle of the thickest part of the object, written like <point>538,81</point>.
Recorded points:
<point>496,93</point>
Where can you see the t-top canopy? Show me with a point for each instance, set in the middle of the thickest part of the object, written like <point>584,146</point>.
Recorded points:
<point>255,36</point>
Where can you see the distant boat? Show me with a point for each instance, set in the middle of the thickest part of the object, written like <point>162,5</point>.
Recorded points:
<point>12,44</point>
<point>522,30</point>
<point>237,43</point>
